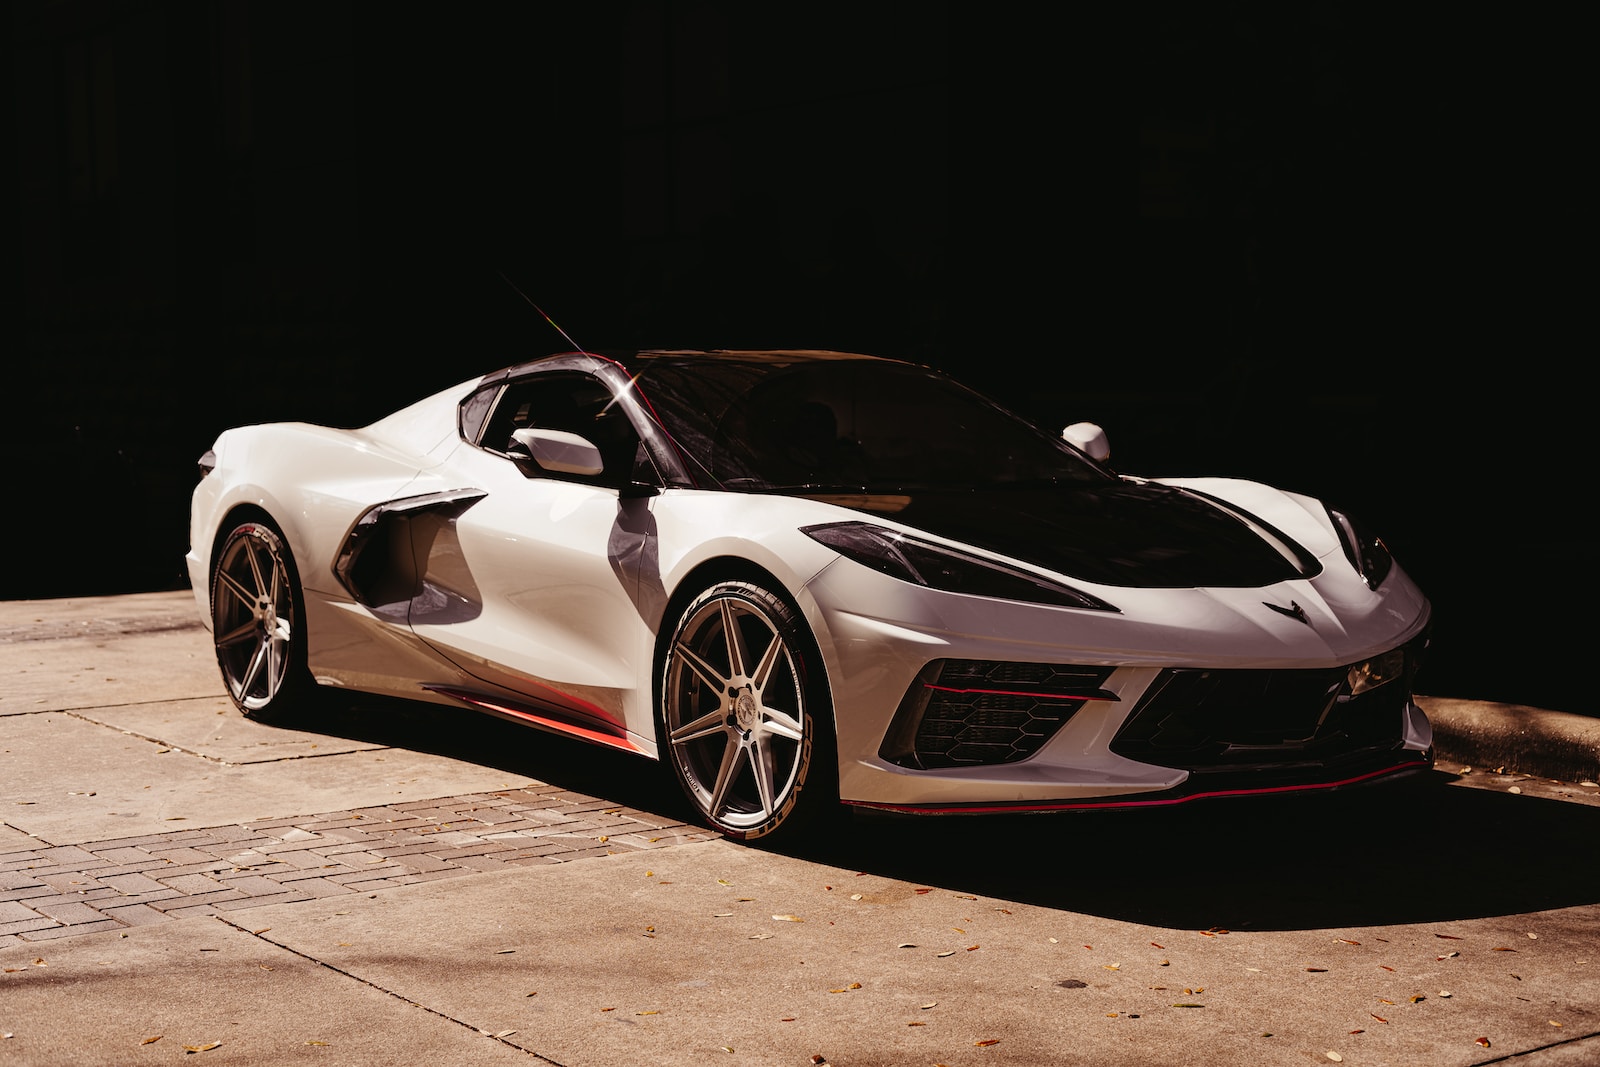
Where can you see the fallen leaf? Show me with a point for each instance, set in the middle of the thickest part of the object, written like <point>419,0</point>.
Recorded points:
<point>1419,997</point>
<point>787,919</point>
<point>1188,1005</point>
<point>917,1023</point>
<point>1447,956</point>
<point>505,1033</point>
<point>1317,970</point>
<point>972,948</point>
<point>323,1043</point>
<point>921,892</point>
<point>725,1048</point>
<point>1334,1056</point>
<point>152,1040</point>
<point>1380,1018</point>
<point>1482,1041</point>
<point>723,881</point>
<point>1444,993</point>
<point>217,1044</point>
<point>504,951</point>
<point>1502,948</point>
<point>986,1042</point>
<point>652,1011</point>
<point>1449,937</point>
<point>1554,1023</point>
<point>1154,945</point>
<point>1355,1032</point>
<point>1386,967</point>
<point>930,1004</point>
<point>1346,941</point>
<point>942,955</point>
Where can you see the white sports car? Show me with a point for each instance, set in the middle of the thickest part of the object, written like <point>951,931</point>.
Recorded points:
<point>808,578</point>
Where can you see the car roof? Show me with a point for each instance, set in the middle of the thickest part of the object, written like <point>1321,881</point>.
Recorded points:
<point>749,355</point>
<point>635,360</point>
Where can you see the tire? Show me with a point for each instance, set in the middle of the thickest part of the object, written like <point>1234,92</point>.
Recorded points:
<point>258,624</point>
<point>745,715</point>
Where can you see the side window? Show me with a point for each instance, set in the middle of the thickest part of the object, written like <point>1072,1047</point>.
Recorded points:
<point>575,403</point>
<point>474,410</point>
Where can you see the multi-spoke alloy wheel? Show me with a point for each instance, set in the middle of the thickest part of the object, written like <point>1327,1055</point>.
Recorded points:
<point>743,713</point>
<point>255,622</point>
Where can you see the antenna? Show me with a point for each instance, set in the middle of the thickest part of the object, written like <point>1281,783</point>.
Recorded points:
<point>576,347</point>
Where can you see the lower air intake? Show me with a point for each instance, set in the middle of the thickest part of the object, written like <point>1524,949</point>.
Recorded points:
<point>961,713</point>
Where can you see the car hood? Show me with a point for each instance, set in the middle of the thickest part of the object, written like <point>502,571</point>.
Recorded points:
<point>1131,534</point>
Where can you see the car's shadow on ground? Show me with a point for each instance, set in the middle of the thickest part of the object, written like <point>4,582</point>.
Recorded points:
<point>1422,852</point>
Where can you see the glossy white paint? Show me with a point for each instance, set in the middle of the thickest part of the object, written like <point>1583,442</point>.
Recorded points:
<point>550,591</point>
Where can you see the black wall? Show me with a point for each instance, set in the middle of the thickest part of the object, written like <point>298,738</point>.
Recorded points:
<point>1322,245</point>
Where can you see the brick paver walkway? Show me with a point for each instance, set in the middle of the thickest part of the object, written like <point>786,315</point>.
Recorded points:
<point>58,891</point>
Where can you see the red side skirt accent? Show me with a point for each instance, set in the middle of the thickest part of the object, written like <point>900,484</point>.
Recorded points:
<point>537,718</point>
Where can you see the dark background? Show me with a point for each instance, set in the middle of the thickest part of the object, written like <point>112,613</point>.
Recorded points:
<point>1323,245</point>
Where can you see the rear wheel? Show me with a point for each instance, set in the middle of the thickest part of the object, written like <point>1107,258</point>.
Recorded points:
<point>258,624</point>
<point>745,714</point>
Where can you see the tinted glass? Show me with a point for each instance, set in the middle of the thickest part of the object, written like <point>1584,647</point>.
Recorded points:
<point>849,424</point>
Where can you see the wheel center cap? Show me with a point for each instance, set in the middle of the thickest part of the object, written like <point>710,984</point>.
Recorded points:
<point>744,709</point>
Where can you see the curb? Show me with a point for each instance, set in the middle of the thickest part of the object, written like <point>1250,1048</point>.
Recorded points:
<point>1544,744</point>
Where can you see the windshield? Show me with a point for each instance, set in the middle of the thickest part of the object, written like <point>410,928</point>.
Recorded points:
<point>847,424</point>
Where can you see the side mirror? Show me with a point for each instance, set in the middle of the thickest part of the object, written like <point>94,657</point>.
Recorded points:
<point>555,450</point>
<point>1088,438</point>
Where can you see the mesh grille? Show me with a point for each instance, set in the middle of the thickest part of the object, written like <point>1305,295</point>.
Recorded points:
<point>1232,719</point>
<point>976,712</point>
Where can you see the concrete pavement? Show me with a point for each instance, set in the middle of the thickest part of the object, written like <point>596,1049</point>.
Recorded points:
<point>402,885</point>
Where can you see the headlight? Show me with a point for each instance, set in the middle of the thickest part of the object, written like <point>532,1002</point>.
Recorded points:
<point>932,566</point>
<point>1365,550</point>
<point>1380,670</point>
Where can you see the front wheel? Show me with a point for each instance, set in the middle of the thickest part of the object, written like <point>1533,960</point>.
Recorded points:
<point>258,624</point>
<point>745,713</point>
